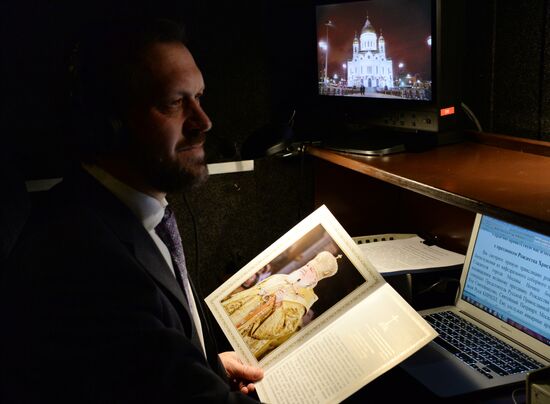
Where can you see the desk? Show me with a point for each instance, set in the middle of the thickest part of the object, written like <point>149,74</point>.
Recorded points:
<point>436,193</point>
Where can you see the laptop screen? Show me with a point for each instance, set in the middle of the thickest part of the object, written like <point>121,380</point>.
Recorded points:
<point>509,276</point>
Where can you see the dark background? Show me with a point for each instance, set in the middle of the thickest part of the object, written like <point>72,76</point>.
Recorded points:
<point>254,60</point>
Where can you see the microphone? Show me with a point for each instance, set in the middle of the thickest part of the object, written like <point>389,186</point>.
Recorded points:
<point>267,141</point>
<point>270,140</point>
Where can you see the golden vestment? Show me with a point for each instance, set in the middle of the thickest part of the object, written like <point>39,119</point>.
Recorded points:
<point>269,313</point>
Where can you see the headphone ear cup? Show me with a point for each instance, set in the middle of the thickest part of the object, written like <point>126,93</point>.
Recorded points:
<point>96,132</point>
<point>103,134</point>
<point>97,129</point>
<point>115,127</point>
<point>118,135</point>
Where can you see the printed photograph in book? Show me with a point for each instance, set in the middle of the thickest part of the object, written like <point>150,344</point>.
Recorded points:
<point>291,291</point>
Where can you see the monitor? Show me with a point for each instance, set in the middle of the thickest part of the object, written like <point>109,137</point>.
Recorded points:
<point>387,73</point>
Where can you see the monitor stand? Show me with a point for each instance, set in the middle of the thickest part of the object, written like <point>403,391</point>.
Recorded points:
<point>368,143</point>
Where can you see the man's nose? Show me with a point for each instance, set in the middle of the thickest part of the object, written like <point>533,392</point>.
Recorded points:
<point>199,120</point>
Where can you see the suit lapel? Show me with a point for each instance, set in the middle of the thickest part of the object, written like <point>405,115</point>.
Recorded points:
<point>147,253</point>
<point>149,256</point>
<point>129,230</point>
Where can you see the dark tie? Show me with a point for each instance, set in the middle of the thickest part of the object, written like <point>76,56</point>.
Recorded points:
<point>168,232</point>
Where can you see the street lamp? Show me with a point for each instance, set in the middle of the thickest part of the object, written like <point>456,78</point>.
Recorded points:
<point>401,65</point>
<point>324,46</point>
<point>327,25</point>
<point>344,67</point>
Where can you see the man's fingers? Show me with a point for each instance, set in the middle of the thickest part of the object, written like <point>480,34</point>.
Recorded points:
<point>246,372</point>
<point>246,389</point>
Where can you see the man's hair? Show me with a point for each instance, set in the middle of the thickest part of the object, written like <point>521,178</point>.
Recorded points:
<point>103,69</point>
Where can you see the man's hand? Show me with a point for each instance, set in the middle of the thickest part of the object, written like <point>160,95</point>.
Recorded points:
<point>242,376</point>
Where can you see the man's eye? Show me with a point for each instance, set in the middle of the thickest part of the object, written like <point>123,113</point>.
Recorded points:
<point>175,103</point>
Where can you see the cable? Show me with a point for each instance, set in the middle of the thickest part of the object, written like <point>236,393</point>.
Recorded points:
<point>472,116</point>
<point>514,394</point>
<point>436,284</point>
<point>291,120</point>
<point>492,73</point>
<point>542,72</point>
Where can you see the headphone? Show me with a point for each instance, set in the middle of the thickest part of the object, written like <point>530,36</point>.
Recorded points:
<point>95,120</point>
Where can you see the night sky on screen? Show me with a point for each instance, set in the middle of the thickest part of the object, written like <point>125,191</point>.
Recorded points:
<point>405,26</point>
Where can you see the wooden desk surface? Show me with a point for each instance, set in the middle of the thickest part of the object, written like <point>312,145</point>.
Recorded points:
<point>506,183</point>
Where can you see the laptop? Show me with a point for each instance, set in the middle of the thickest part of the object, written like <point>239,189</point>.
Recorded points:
<point>498,330</point>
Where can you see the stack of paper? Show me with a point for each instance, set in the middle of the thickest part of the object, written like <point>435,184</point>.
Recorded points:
<point>408,255</point>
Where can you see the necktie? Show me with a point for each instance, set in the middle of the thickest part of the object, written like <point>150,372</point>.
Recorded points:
<point>168,232</point>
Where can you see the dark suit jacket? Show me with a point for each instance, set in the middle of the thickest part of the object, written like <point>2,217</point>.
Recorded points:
<point>92,313</point>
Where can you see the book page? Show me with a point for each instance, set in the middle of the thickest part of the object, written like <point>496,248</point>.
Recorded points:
<point>371,338</point>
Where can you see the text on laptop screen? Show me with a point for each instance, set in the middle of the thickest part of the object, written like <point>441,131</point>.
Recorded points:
<point>509,276</point>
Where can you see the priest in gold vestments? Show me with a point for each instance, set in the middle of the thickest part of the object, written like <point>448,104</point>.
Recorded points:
<point>270,312</point>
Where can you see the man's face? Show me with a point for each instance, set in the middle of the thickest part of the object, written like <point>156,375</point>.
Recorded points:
<point>166,122</point>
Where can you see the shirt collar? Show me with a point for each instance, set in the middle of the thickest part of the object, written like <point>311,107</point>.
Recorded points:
<point>147,209</point>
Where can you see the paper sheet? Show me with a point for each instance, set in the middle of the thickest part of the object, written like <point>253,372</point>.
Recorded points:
<point>408,255</point>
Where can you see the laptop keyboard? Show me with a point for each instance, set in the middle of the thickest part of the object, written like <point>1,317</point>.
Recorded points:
<point>477,348</point>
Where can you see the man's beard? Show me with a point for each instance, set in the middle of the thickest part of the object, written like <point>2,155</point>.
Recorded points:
<point>170,176</point>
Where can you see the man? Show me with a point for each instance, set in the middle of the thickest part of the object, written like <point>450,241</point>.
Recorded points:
<point>95,305</point>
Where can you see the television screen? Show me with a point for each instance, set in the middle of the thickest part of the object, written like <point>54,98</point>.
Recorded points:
<point>376,49</point>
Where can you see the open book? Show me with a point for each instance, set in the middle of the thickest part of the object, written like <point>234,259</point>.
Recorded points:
<point>316,316</point>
